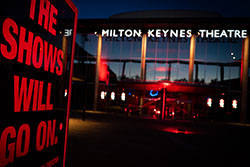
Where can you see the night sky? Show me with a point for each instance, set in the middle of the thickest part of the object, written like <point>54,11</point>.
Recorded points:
<point>215,53</point>
<point>106,8</point>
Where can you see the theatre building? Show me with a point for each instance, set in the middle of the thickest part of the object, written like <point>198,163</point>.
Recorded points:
<point>164,64</point>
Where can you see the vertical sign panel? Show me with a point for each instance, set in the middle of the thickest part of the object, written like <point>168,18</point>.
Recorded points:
<point>36,55</point>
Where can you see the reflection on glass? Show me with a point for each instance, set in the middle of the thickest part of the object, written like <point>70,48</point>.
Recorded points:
<point>217,64</point>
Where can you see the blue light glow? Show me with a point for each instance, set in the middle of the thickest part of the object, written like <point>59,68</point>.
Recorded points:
<point>153,94</point>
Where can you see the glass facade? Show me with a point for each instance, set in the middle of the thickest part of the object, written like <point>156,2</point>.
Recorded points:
<point>122,56</point>
<point>216,75</point>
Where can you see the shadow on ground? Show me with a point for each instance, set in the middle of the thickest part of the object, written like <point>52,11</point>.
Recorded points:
<point>106,139</point>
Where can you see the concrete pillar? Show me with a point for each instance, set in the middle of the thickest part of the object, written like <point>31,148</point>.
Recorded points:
<point>244,79</point>
<point>191,58</point>
<point>98,60</point>
<point>143,68</point>
<point>143,56</point>
<point>191,68</point>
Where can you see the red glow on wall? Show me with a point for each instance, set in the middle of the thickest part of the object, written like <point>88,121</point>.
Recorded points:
<point>103,72</point>
<point>161,69</point>
<point>167,84</point>
<point>61,126</point>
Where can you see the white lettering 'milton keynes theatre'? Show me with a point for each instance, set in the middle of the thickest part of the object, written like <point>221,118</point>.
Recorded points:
<point>181,33</point>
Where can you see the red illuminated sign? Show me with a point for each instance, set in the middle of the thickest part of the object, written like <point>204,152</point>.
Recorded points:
<point>36,70</point>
